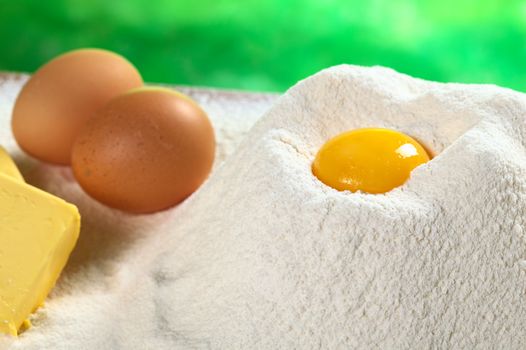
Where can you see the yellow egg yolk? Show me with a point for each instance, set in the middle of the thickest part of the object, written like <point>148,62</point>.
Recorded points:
<point>370,160</point>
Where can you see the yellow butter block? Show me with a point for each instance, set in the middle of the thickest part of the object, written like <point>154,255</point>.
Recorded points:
<point>38,231</point>
<point>8,167</point>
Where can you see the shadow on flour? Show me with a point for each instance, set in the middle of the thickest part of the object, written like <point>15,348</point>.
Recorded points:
<point>106,236</point>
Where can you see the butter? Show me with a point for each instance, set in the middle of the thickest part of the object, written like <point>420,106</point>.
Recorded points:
<point>8,167</point>
<point>38,231</point>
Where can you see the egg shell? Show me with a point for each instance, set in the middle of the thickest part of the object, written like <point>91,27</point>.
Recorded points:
<point>62,95</point>
<point>147,150</point>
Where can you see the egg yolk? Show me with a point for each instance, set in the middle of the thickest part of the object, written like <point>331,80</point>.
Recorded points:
<point>370,160</point>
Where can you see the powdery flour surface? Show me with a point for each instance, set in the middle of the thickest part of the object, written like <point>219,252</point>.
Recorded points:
<point>264,256</point>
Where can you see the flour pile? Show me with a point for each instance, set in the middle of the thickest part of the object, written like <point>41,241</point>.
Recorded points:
<point>265,256</point>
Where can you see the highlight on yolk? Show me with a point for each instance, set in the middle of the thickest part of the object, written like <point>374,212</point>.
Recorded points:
<point>371,160</point>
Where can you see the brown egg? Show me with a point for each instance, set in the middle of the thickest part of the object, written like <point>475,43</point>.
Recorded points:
<point>58,99</point>
<point>145,151</point>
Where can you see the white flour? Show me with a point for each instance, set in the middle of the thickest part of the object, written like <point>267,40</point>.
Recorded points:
<point>265,256</point>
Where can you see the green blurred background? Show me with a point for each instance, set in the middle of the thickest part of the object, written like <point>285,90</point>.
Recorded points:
<point>269,45</point>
